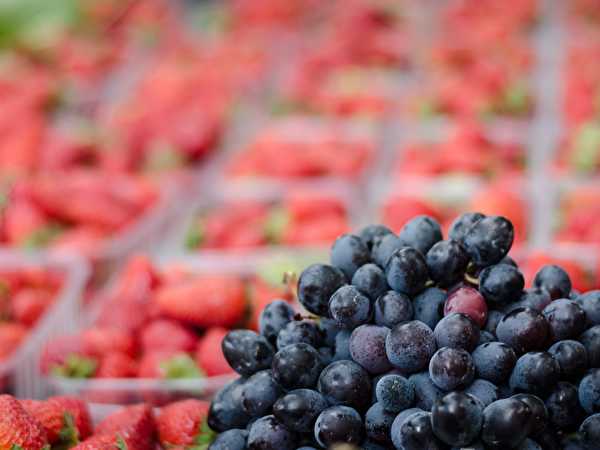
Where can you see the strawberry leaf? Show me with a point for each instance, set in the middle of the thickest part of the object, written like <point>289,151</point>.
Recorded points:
<point>275,225</point>
<point>205,436</point>
<point>195,236</point>
<point>586,148</point>
<point>69,434</point>
<point>16,447</point>
<point>181,366</point>
<point>43,236</point>
<point>76,366</point>
<point>121,444</point>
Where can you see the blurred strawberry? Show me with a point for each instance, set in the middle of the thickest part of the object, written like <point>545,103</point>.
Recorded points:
<point>168,365</point>
<point>205,301</point>
<point>18,428</point>
<point>11,336</point>
<point>78,409</point>
<point>209,355</point>
<point>116,365</point>
<point>183,423</point>
<point>58,350</point>
<point>99,341</point>
<point>29,304</point>
<point>166,335</point>
<point>134,424</point>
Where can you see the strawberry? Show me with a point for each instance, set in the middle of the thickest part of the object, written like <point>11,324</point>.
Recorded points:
<point>167,335</point>
<point>99,341</point>
<point>29,304</point>
<point>209,355</point>
<point>65,420</point>
<point>205,301</point>
<point>117,365</point>
<point>183,423</point>
<point>11,335</point>
<point>104,442</point>
<point>133,424</point>
<point>168,365</point>
<point>57,351</point>
<point>18,428</point>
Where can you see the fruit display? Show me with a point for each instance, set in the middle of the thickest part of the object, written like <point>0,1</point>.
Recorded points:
<point>411,341</point>
<point>299,148</point>
<point>159,323</point>
<point>301,217</point>
<point>579,211</point>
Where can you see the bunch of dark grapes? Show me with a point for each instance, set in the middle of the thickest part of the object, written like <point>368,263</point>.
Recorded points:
<point>412,342</point>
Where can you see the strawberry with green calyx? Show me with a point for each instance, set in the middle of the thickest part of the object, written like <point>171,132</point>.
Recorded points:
<point>209,355</point>
<point>132,427</point>
<point>585,151</point>
<point>184,423</point>
<point>168,365</point>
<point>194,237</point>
<point>76,366</point>
<point>275,224</point>
<point>59,425</point>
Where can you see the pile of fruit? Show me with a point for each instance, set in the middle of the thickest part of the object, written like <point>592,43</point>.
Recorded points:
<point>416,342</point>
<point>301,218</point>
<point>25,295</point>
<point>162,323</point>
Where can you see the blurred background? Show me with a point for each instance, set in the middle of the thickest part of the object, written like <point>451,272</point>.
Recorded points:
<point>154,152</point>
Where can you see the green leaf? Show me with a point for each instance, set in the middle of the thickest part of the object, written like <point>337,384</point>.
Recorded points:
<point>195,236</point>
<point>69,435</point>
<point>181,365</point>
<point>42,237</point>
<point>275,225</point>
<point>76,366</point>
<point>16,447</point>
<point>121,445</point>
<point>516,98</point>
<point>204,437</point>
<point>585,156</point>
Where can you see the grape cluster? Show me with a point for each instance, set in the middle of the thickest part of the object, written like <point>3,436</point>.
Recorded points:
<point>417,343</point>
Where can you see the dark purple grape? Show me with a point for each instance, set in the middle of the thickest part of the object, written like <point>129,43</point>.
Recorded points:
<point>268,434</point>
<point>409,346</point>
<point>447,262</point>
<point>462,223</point>
<point>429,306</point>
<point>535,373</point>
<point>339,424</point>
<point>234,439</point>
<point>456,418</point>
<point>451,369</point>
<point>457,331</point>
<point>259,393</point>
<point>393,308</point>
<point>342,345</point>
<point>483,390</point>
<point>329,331</point>
<point>367,348</point>
<point>590,339</point>
<point>226,410</point>
<point>524,330</point>
<point>421,233</point>
<point>316,285</point>
<point>590,430</point>
<point>298,331</point>
<point>505,423</point>
<point>372,233</point>
<point>485,337</point>
<point>494,361</point>
<point>488,240</point>
<point>426,393</point>
<point>493,318</point>
<point>501,284</point>
<point>370,280</point>
<point>274,318</point>
<point>554,280</point>
<point>590,303</point>
<point>563,407</point>
<point>348,253</point>
<point>536,299</point>
<point>384,248</point>
<point>378,424</point>
<point>297,366</point>
<point>406,271</point>
<point>395,393</point>
<point>415,433</point>
<point>299,409</point>
<point>571,357</point>
<point>349,308</point>
<point>346,383</point>
<point>247,352</point>
<point>565,318</point>
<point>589,392</point>
<point>539,413</point>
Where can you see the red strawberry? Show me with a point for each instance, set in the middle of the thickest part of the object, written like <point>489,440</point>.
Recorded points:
<point>104,442</point>
<point>209,355</point>
<point>11,335</point>
<point>169,365</point>
<point>99,341</point>
<point>183,423</point>
<point>18,428</point>
<point>134,424</point>
<point>204,301</point>
<point>78,410</point>
<point>117,365</point>
<point>49,416</point>
<point>167,335</point>
<point>57,352</point>
<point>29,304</point>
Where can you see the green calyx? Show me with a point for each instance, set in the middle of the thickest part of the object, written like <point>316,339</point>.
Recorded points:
<point>181,366</point>
<point>43,236</point>
<point>585,156</point>
<point>195,236</point>
<point>121,444</point>
<point>76,366</point>
<point>275,225</point>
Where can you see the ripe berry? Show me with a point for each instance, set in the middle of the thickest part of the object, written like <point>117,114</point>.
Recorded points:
<point>457,331</point>
<point>494,361</point>
<point>410,345</point>
<point>247,352</point>
<point>349,308</point>
<point>447,262</point>
<point>406,271</point>
<point>370,280</point>
<point>421,233</point>
<point>535,373</point>
<point>429,306</point>
<point>488,240</point>
<point>590,303</point>
<point>393,308</point>
<point>451,368</point>
<point>268,434</point>
<point>565,318</point>
<point>297,366</point>
<point>468,301</point>
<point>316,285</point>
<point>367,348</point>
<point>456,418</point>
<point>348,253</point>
<point>524,330</point>
<point>504,423</point>
<point>338,424</point>
<point>554,280</point>
<point>345,383</point>
<point>461,225</point>
<point>299,409</point>
<point>571,357</point>
<point>501,283</point>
